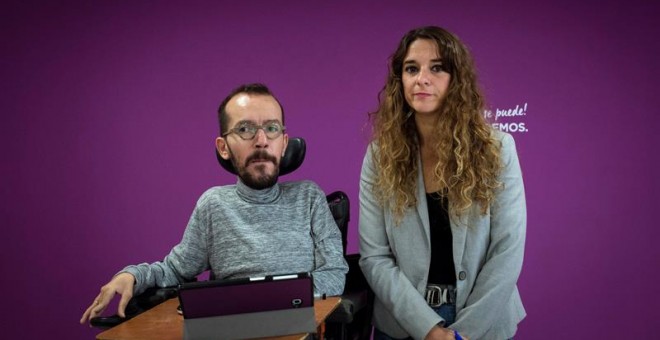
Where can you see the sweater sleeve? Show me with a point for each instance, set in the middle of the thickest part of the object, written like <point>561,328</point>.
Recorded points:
<point>185,261</point>
<point>330,268</point>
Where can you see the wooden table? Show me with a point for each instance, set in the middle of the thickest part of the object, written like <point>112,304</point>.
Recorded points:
<point>163,322</point>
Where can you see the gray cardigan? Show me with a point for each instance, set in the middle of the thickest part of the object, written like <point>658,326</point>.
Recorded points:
<point>488,254</point>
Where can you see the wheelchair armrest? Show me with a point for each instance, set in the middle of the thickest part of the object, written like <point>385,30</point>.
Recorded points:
<point>351,303</point>
<point>136,305</point>
<point>357,293</point>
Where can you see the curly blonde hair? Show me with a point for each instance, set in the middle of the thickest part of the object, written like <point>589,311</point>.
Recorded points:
<point>469,155</point>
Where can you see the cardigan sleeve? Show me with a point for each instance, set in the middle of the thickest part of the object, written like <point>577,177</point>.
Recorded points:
<point>379,264</point>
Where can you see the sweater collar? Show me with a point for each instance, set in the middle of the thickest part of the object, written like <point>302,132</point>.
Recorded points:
<point>268,195</point>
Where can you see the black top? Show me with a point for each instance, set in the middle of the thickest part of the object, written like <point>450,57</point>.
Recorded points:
<point>442,269</point>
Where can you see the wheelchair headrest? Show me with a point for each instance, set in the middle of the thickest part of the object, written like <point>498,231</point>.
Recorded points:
<point>293,157</point>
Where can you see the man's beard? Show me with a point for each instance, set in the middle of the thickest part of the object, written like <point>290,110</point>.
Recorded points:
<point>260,180</point>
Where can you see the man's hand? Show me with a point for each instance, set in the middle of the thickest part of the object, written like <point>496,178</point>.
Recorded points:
<point>121,284</point>
<point>440,333</point>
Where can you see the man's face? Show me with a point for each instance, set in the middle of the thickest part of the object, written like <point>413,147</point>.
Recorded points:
<point>256,160</point>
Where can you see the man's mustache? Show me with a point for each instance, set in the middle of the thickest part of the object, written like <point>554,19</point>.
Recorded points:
<point>261,155</point>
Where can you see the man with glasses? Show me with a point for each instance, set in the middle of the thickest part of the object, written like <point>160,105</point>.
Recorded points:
<point>256,227</point>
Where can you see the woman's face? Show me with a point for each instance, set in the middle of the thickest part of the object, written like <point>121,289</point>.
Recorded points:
<point>425,81</point>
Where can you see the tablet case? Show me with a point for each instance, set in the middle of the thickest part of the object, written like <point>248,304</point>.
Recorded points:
<point>248,308</point>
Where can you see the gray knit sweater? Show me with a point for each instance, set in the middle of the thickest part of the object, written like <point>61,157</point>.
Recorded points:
<point>238,232</point>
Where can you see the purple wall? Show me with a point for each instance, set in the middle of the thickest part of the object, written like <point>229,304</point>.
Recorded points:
<point>108,122</point>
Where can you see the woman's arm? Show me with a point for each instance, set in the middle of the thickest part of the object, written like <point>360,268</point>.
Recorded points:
<point>380,266</point>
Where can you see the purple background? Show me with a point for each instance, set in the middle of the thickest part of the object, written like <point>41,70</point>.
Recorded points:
<point>108,122</point>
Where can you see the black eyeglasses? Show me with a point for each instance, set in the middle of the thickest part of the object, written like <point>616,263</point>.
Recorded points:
<point>247,131</point>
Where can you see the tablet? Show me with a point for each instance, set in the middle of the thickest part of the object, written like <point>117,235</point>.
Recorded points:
<point>251,307</point>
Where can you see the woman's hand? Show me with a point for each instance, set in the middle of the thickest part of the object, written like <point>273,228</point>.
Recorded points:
<point>440,333</point>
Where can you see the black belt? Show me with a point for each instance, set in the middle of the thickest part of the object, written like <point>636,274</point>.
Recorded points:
<point>438,295</point>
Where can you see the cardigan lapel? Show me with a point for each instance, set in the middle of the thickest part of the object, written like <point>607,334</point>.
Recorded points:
<point>422,207</point>
<point>459,236</point>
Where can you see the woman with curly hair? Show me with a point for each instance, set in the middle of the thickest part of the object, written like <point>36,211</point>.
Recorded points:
<point>442,202</point>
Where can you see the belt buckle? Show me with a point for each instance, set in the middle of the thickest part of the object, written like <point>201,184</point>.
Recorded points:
<point>435,296</point>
